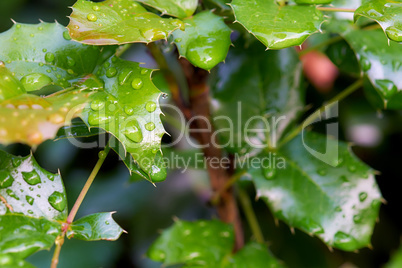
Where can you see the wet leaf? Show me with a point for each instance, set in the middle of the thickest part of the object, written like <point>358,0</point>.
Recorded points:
<point>77,129</point>
<point>333,196</point>
<point>277,27</point>
<point>43,54</point>
<point>313,2</point>
<point>206,40</point>
<point>33,203</point>
<point>381,64</point>
<point>385,12</point>
<point>207,244</point>
<point>99,226</point>
<point>9,261</point>
<point>273,80</point>
<point>177,8</point>
<point>129,109</point>
<point>9,85</point>
<point>117,22</point>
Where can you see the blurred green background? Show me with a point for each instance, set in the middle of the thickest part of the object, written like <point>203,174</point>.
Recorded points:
<point>143,210</point>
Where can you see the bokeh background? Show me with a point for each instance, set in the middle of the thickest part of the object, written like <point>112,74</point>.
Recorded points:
<point>144,210</point>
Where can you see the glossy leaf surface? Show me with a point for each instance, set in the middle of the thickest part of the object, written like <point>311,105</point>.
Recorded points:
<point>99,226</point>
<point>313,2</point>
<point>9,261</point>
<point>387,13</point>
<point>338,202</point>
<point>205,41</point>
<point>277,27</point>
<point>381,64</point>
<point>177,8</point>
<point>273,83</point>
<point>117,22</point>
<point>207,244</point>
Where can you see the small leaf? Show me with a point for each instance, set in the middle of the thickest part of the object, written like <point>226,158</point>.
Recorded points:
<point>206,40</point>
<point>385,12</point>
<point>177,8</point>
<point>274,90</point>
<point>128,108</point>
<point>99,226</point>
<point>255,254</point>
<point>381,64</point>
<point>277,27</point>
<point>193,243</point>
<point>29,189</point>
<point>9,261</point>
<point>338,202</point>
<point>117,22</point>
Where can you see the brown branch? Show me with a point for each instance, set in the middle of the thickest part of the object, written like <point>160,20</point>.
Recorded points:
<point>200,106</point>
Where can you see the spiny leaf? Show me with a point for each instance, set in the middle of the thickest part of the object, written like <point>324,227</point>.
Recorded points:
<point>128,108</point>
<point>385,12</point>
<point>277,27</point>
<point>9,261</point>
<point>381,63</point>
<point>207,244</point>
<point>274,89</point>
<point>339,203</point>
<point>99,226</point>
<point>177,8</point>
<point>31,119</point>
<point>206,40</point>
<point>43,54</point>
<point>117,22</point>
<point>29,189</point>
<point>33,203</point>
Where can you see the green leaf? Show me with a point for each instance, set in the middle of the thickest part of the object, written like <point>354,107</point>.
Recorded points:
<point>117,22</point>
<point>207,244</point>
<point>313,2</point>
<point>338,202</point>
<point>9,261</point>
<point>128,108</point>
<point>177,8</point>
<point>255,254</point>
<point>33,203</point>
<point>396,260</point>
<point>206,40</point>
<point>29,189</point>
<point>43,54</point>
<point>341,54</point>
<point>385,12</point>
<point>381,64</point>
<point>77,129</point>
<point>9,85</point>
<point>99,226</point>
<point>277,27</point>
<point>273,80</point>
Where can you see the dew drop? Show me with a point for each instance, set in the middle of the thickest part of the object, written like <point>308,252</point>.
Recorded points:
<point>30,212</point>
<point>102,154</point>
<point>150,126</point>
<point>10,193</point>
<point>269,173</point>
<point>365,64</point>
<point>95,8</point>
<point>97,105</point>
<point>344,241</point>
<point>132,131</point>
<point>16,162</point>
<point>322,172</point>
<point>338,209</point>
<point>30,199</point>
<point>66,35</point>
<point>178,40</point>
<point>35,81</point>
<point>394,33</point>
<point>362,196</point>
<point>107,223</point>
<point>124,75</point>
<point>352,168</point>
<point>70,61</point>
<point>128,110</point>
<point>6,180</point>
<point>375,204</point>
<point>98,119</point>
<point>32,177</point>
<point>57,201</point>
<point>357,218</point>
<point>144,71</point>
<point>137,83</point>
<point>92,17</point>
<point>387,87</point>
<point>50,177</point>
<point>111,72</point>
<point>158,174</point>
<point>150,106</point>
<point>178,23</point>
<point>49,57</point>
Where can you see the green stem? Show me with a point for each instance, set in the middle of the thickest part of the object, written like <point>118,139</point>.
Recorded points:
<point>59,243</point>
<point>250,215</point>
<point>320,45</point>
<point>335,9</point>
<point>352,88</point>
<point>87,185</point>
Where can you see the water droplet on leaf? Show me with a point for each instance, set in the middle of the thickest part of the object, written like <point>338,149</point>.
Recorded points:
<point>96,118</point>
<point>150,106</point>
<point>133,131</point>
<point>111,72</point>
<point>29,199</point>
<point>49,57</point>
<point>6,180</point>
<point>92,17</point>
<point>137,83</point>
<point>128,110</point>
<point>35,81</point>
<point>362,196</point>
<point>32,178</point>
<point>57,201</point>
<point>387,87</point>
<point>345,241</point>
<point>150,126</point>
<point>394,33</point>
<point>97,105</point>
